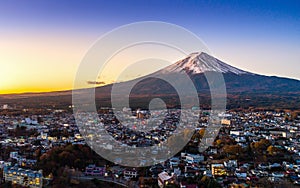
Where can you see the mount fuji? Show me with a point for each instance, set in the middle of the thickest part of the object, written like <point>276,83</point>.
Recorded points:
<point>244,89</point>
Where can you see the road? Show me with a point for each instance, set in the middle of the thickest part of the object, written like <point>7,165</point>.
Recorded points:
<point>119,181</point>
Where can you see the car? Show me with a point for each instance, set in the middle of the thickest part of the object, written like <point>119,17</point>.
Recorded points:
<point>189,175</point>
<point>254,172</point>
<point>241,175</point>
<point>275,179</point>
<point>127,178</point>
<point>263,166</point>
<point>207,173</point>
<point>294,177</point>
<point>278,174</point>
<point>263,174</point>
<point>290,172</point>
<point>297,182</point>
<point>252,178</point>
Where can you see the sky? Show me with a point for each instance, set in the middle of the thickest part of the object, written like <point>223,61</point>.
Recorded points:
<point>43,42</point>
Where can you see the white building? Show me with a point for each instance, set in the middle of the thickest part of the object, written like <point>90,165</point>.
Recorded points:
<point>130,173</point>
<point>28,178</point>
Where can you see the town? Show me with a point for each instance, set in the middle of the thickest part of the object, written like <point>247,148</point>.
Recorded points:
<point>253,148</point>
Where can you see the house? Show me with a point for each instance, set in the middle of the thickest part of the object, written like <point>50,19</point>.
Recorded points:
<point>28,178</point>
<point>235,132</point>
<point>275,166</point>
<point>231,164</point>
<point>14,155</point>
<point>240,139</point>
<point>164,179</point>
<point>279,133</point>
<point>130,173</point>
<point>241,173</point>
<point>207,173</point>
<point>174,161</point>
<point>218,170</point>
<point>4,163</point>
<point>190,171</point>
<point>190,158</point>
<point>93,170</point>
<point>225,122</point>
<point>213,150</point>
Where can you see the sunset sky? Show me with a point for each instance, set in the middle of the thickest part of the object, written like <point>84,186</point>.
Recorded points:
<point>43,42</point>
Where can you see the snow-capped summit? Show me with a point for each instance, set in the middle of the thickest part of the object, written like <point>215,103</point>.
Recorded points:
<point>201,62</point>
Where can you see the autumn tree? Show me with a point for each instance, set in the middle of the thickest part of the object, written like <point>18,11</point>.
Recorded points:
<point>260,146</point>
<point>218,143</point>
<point>232,149</point>
<point>272,150</point>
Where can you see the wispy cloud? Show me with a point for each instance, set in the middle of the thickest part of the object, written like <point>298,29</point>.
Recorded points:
<point>95,82</point>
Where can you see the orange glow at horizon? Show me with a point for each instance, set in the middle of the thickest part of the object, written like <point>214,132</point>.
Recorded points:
<point>42,63</point>
<point>39,63</point>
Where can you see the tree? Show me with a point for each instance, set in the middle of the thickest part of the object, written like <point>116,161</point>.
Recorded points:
<point>209,182</point>
<point>260,146</point>
<point>218,143</point>
<point>273,150</point>
<point>232,149</point>
<point>74,156</point>
<point>201,132</point>
<point>294,115</point>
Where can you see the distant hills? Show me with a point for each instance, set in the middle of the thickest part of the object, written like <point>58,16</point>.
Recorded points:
<point>244,89</point>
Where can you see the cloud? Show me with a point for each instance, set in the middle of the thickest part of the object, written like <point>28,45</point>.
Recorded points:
<point>95,82</point>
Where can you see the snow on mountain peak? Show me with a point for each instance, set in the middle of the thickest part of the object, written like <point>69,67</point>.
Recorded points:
<point>200,62</point>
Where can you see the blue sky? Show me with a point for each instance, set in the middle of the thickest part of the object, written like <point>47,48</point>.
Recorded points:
<point>258,36</point>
